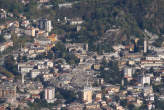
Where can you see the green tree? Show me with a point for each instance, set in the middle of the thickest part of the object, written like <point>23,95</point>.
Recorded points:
<point>110,72</point>
<point>10,64</point>
<point>14,6</point>
<point>6,72</point>
<point>60,51</point>
<point>131,107</point>
<point>123,103</point>
<point>68,95</point>
<point>1,39</point>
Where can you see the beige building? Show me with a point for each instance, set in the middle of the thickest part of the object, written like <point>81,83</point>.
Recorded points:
<point>75,106</point>
<point>98,97</point>
<point>30,32</point>
<point>7,90</point>
<point>50,94</point>
<point>96,66</point>
<point>95,106</point>
<point>87,95</point>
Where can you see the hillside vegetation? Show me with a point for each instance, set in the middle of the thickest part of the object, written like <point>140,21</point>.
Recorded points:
<point>130,16</point>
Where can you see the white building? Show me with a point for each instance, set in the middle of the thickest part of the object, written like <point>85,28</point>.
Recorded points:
<point>50,94</point>
<point>118,47</point>
<point>45,25</point>
<point>42,66</point>
<point>65,5</point>
<point>42,41</point>
<point>145,46</point>
<point>23,74</point>
<point>25,23</point>
<point>43,1</point>
<point>48,26</point>
<point>30,32</point>
<point>34,73</point>
<point>157,49</point>
<point>145,80</point>
<point>128,72</point>
<point>147,90</point>
<point>47,76</point>
<point>49,63</point>
<point>76,21</point>
<point>26,69</point>
<point>160,55</point>
<point>7,36</point>
<point>153,58</point>
<point>148,64</point>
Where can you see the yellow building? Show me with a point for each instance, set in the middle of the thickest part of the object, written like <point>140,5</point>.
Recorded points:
<point>136,41</point>
<point>96,66</point>
<point>52,37</point>
<point>48,47</point>
<point>87,95</point>
<point>33,32</point>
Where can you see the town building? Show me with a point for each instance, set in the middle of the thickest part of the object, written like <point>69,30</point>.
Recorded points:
<point>7,90</point>
<point>145,46</point>
<point>49,94</point>
<point>87,95</point>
